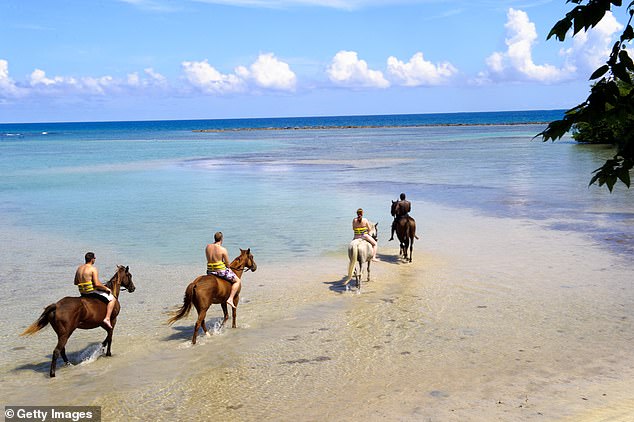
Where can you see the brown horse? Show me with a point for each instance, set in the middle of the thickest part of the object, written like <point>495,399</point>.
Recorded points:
<point>71,313</point>
<point>405,231</point>
<point>206,290</point>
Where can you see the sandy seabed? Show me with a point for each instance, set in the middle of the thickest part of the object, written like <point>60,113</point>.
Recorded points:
<point>494,320</point>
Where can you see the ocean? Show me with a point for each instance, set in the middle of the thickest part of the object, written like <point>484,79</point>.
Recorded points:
<point>493,204</point>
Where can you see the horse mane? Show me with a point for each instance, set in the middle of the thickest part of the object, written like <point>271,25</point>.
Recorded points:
<point>111,281</point>
<point>236,261</point>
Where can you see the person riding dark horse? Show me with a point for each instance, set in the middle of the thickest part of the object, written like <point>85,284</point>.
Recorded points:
<point>402,208</point>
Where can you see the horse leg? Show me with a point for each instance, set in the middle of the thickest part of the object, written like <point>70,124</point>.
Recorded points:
<point>234,313</point>
<point>225,312</point>
<point>205,330</point>
<point>61,344</point>
<point>411,247</point>
<point>369,270</point>
<point>107,343</point>
<point>404,254</point>
<point>63,353</point>
<point>201,318</point>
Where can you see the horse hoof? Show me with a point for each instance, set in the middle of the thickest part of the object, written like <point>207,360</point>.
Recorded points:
<point>207,334</point>
<point>67,364</point>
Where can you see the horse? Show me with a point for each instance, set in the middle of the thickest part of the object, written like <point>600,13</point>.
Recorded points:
<point>360,251</point>
<point>206,290</point>
<point>405,230</point>
<point>70,313</point>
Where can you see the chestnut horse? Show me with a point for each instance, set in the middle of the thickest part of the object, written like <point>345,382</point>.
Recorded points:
<point>360,252</point>
<point>405,231</point>
<point>85,313</point>
<point>206,290</point>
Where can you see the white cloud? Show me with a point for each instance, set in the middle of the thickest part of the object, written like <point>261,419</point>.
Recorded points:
<point>516,63</point>
<point>271,73</point>
<point>347,70</point>
<point>204,76</point>
<point>42,84</point>
<point>418,71</point>
<point>266,72</point>
<point>591,49</point>
<point>8,88</point>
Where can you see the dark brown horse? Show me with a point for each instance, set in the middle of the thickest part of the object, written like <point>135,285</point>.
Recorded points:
<point>405,230</point>
<point>70,313</point>
<point>206,290</point>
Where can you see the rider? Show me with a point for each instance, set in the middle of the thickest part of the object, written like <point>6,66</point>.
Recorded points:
<point>87,280</point>
<point>217,264</point>
<point>361,228</point>
<point>403,207</point>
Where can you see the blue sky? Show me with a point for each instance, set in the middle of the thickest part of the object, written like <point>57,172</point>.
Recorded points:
<point>78,60</point>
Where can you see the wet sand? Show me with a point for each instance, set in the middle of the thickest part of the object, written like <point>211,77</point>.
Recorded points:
<point>495,319</point>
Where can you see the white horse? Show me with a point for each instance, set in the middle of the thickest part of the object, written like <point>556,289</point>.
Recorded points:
<point>360,251</point>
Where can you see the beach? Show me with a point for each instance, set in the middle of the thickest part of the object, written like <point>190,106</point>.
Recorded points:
<point>513,308</point>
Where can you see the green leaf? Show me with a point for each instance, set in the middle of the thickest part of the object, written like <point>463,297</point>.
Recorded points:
<point>626,60</point>
<point>620,71</point>
<point>600,72</point>
<point>624,176</point>
<point>560,29</point>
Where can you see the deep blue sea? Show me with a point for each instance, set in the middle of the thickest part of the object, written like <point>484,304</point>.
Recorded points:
<point>157,190</point>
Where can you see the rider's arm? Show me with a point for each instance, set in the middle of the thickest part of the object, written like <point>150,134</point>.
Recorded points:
<point>97,283</point>
<point>225,258</point>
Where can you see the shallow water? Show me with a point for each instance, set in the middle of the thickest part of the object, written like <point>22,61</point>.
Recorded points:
<point>518,305</point>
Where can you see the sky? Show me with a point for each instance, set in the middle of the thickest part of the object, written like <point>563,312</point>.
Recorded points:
<point>110,60</point>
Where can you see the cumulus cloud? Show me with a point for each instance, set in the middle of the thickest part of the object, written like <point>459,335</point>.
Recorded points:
<point>8,88</point>
<point>204,76</point>
<point>267,72</point>
<point>419,71</point>
<point>591,49</point>
<point>88,85</point>
<point>38,83</point>
<point>516,63</point>
<point>346,69</point>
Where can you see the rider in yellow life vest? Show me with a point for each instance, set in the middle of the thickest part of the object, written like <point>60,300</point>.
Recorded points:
<point>217,262</point>
<point>361,228</point>
<point>87,281</point>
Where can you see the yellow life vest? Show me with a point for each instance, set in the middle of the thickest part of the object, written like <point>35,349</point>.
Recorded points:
<point>216,266</point>
<point>360,230</point>
<point>86,287</point>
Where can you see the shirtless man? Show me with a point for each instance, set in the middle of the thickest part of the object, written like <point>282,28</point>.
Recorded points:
<point>404,208</point>
<point>87,280</point>
<point>361,228</point>
<point>218,265</point>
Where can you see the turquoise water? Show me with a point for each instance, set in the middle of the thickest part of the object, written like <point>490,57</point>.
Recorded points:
<point>157,191</point>
<point>519,289</point>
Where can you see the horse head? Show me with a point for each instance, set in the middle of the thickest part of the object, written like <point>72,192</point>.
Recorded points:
<point>126,278</point>
<point>394,208</point>
<point>121,279</point>
<point>245,260</point>
<point>374,231</point>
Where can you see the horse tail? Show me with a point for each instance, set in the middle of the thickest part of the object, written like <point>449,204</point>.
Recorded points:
<point>187,304</point>
<point>353,260</point>
<point>47,316</point>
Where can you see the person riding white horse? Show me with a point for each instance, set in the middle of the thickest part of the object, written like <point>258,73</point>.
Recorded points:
<point>362,248</point>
